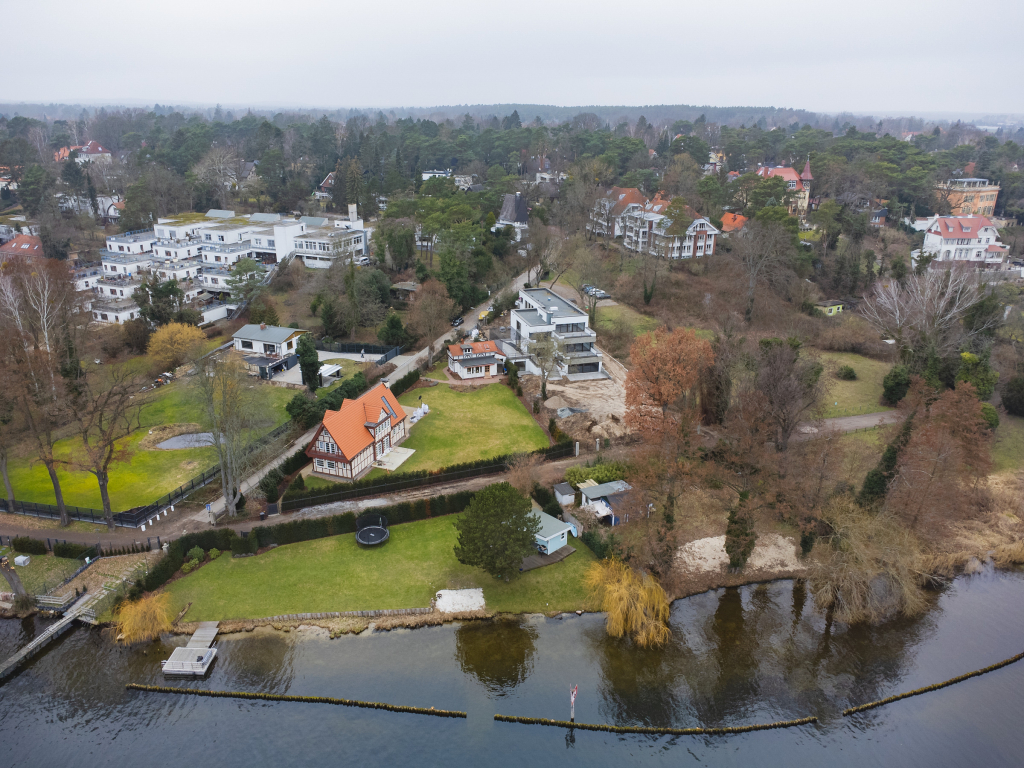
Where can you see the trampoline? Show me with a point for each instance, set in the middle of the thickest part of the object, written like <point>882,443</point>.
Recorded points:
<point>371,530</point>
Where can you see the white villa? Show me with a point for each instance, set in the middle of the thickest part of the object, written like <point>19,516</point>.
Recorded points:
<point>539,313</point>
<point>475,359</point>
<point>970,239</point>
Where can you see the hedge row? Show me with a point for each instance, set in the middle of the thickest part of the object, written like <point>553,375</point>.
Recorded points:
<point>493,464</point>
<point>28,546</point>
<point>71,550</point>
<point>403,384</point>
<point>294,531</point>
<point>334,525</point>
<point>295,462</point>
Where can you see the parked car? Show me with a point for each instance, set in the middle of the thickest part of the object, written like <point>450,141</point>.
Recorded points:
<point>602,295</point>
<point>363,261</point>
<point>457,322</point>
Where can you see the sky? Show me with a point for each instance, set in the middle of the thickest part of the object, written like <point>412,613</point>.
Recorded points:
<point>872,56</point>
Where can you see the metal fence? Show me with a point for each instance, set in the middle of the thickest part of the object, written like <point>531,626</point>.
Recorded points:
<point>136,516</point>
<point>350,348</point>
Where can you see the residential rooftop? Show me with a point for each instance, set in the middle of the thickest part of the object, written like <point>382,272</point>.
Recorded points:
<point>547,298</point>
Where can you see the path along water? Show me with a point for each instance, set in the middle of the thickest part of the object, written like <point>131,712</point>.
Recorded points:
<point>749,655</point>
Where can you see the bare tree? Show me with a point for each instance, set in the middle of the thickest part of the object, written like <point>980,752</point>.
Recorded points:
<point>220,167</point>
<point>924,313</point>
<point>586,270</point>
<point>763,252</point>
<point>234,409</point>
<point>548,352</point>
<point>35,328</point>
<point>107,411</point>
<point>792,386</point>
<point>9,428</point>
<point>431,313</point>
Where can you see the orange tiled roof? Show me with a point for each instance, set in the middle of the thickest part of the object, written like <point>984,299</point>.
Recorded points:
<point>732,222</point>
<point>478,347</point>
<point>347,425</point>
<point>789,174</point>
<point>22,245</point>
<point>623,197</point>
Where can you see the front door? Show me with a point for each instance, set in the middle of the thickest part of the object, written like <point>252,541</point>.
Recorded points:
<point>387,443</point>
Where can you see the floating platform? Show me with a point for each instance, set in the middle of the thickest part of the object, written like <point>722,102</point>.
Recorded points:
<point>196,658</point>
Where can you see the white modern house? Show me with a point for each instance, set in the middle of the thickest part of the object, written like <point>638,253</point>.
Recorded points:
<point>645,230</point>
<point>267,349</point>
<point>126,264</point>
<point>139,241</point>
<point>541,313</point>
<point>969,239</point>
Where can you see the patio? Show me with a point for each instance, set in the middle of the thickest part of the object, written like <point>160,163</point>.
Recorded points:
<point>393,459</point>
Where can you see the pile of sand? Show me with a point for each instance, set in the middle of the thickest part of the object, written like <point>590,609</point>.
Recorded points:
<point>556,402</point>
<point>771,553</point>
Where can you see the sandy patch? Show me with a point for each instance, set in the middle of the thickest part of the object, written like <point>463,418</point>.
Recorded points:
<point>771,553</point>
<point>458,600</point>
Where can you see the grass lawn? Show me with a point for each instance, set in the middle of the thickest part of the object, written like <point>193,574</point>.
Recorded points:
<point>489,421</point>
<point>335,574</point>
<point>863,394</point>
<point>437,372</point>
<point>43,573</point>
<point>1008,448</point>
<point>148,474</point>
<point>622,316</point>
<point>349,368</point>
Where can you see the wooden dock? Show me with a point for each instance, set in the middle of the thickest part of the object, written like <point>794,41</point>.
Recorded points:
<point>54,630</point>
<point>195,659</point>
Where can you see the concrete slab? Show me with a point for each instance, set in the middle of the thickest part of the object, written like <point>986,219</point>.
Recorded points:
<point>394,458</point>
<point>456,600</point>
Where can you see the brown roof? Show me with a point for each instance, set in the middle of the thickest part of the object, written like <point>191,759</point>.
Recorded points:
<point>347,425</point>
<point>732,222</point>
<point>478,347</point>
<point>789,174</point>
<point>23,245</point>
<point>622,197</point>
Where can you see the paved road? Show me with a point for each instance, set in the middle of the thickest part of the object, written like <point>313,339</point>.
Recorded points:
<point>864,421</point>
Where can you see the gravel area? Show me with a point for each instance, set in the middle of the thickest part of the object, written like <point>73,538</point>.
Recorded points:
<point>771,553</point>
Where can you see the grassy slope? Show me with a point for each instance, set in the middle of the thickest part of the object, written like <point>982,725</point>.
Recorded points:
<point>335,574</point>
<point>863,395</point>
<point>1008,448</point>
<point>148,475</point>
<point>43,573</point>
<point>489,421</point>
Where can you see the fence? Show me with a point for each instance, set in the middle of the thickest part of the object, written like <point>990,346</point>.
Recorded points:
<point>348,348</point>
<point>136,516</point>
<point>387,486</point>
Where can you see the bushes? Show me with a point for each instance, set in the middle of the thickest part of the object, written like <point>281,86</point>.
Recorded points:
<point>978,372</point>
<point>402,385</point>
<point>70,550</point>
<point>542,495</point>
<point>605,472</point>
<point>270,483</point>
<point>895,384</point>
<point>307,412</point>
<point>1013,395</point>
<point>196,553</point>
<point>28,545</point>
<point>739,538</point>
<point>190,566</point>
<point>554,509</point>
<point>846,373</point>
<point>295,462</point>
<point>247,545</point>
<point>990,415</point>
<point>162,572</point>
<point>602,547</point>
<point>214,553</point>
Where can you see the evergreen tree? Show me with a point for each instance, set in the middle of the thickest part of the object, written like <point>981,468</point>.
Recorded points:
<point>309,362</point>
<point>497,531</point>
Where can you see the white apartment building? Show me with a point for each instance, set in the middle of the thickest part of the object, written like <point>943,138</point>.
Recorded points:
<point>125,265</point>
<point>139,241</point>
<point>114,310</point>
<point>320,244</point>
<point>970,239</point>
<point>645,230</point>
<point>540,313</point>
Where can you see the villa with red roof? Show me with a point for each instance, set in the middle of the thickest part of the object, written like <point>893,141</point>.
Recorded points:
<point>798,185</point>
<point>361,432</point>
<point>606,218</point>
<point>475,360</point>
<point>90,152</point>
<point>971,239</point>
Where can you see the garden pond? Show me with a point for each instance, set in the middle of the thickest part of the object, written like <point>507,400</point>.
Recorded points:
<point>754,654</point>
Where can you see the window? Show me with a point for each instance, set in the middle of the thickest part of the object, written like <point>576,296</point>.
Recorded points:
<point>208,237</point>
<point>270,348</point>
<point>319,462</point>
<point>270,243</point>
<point>245,344</point>
<point>331,465</point>
<point>214,280</point>
<point>220,238</point>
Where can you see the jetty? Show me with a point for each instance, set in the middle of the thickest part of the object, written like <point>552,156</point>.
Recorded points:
<point>195,659</point>
<point>54,630</point>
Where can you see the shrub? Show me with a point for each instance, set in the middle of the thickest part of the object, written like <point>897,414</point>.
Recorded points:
<point>807,539</point>
<point>299,484</point>
<point>536,408</point>
<point>601,473</point>
<point>846,373</point>
<point>554,509</point>
<point>172,344</point>
<point>190,566</point>
<point>542,495</point>
<point>978,372</point>
<point>214,553</point>
<point>403,384</point>
<point>895,384</point>
<point>28,546</point>
<point>270,483</point>
<point>240,546</point>
<point>519,390</point>
<point>241,502</point>
<point>990,415</point>
<point>71,550</point>
<point>162,572</point>
<point>739,538</point>
<point>196,553</point>
<point>1013,395</point>
<point>295,462</point>
<point>601,547</point>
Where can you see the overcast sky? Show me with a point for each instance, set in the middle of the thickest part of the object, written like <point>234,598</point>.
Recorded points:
<point>867,56</point>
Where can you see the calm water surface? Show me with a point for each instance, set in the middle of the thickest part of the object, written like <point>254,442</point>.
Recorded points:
<point>738,656</point>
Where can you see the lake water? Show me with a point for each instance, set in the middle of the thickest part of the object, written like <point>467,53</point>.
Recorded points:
<point>737,656</point>
<point>191,440</point>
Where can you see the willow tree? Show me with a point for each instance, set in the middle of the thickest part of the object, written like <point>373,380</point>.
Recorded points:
<point>634,601</point>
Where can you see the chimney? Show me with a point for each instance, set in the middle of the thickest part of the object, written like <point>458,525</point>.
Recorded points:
<point>352,215</point>
<point>386,383</point>
<point>263,326</point>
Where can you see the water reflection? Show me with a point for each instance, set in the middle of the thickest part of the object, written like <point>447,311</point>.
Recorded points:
<point>261,660</point>
<point>498,653</point>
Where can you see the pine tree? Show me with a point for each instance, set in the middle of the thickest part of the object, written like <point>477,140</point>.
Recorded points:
<point>497,531</point>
